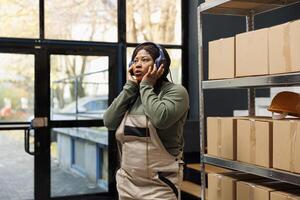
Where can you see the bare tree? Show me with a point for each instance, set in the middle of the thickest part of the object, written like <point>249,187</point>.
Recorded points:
<point>151,20</point>
<point>19,18</point>
<point>87,20</point>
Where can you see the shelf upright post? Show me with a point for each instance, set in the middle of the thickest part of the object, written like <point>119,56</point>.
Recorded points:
<point>201,103</point>
<point>251,91</point>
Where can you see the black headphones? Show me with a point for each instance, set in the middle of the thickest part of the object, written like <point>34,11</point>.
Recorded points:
<point>158,60</point>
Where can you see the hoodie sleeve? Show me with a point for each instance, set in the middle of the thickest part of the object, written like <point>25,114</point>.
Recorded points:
<point>115,112</point>
<point>165,111</point>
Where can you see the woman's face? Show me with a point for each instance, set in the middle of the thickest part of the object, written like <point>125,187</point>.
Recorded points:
<point>141,63</point>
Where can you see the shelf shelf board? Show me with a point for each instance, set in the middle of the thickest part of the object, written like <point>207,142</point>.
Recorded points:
<point>253,169</point>
<point>208,168</point>
<point>191,188</point>
<point>243,7</point>
<point>282,80</point>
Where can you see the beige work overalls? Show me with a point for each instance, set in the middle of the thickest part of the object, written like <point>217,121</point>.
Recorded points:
<point>148,171</point>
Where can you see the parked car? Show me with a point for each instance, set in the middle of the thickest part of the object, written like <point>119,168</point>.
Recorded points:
<point>84,108</point>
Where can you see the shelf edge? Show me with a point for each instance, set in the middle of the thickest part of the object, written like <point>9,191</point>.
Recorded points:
<point>271,173</point>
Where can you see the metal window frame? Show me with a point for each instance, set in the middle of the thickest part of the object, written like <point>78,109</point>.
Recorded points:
<point>99,157</point>
<point>72,148</point>
<point>42,49</point>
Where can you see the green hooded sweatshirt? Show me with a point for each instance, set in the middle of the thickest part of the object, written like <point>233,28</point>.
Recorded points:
<point>167,110</point>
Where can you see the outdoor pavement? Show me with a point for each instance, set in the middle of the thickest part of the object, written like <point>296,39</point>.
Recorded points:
<point>17,173</point>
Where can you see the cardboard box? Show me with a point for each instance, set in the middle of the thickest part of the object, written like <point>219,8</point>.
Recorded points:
<point>223,186</point>
<point>254,141</point>
<point>286,145</point>
<point>284,48</point>
<point>252,53</point>
<point>221,137</point>
<point>256,190</point>
<point>287,195</point>
<point>221,58</point>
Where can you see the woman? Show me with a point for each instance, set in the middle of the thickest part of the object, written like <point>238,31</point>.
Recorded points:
<point>148,116</point>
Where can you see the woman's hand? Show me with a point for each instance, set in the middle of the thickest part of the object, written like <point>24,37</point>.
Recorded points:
<point>153,74</point>
<point>130,75</point>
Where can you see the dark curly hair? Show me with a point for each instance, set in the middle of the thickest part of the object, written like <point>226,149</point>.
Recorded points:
<point>153,50</point>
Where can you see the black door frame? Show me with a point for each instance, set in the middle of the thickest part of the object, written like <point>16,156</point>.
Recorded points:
<point>42,51</point>
<point>78,48</point>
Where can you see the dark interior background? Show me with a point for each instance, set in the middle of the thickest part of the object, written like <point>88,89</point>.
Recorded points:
<point>220,102</point>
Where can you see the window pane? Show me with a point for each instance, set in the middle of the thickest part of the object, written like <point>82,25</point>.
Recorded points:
<point>154,20</point>
<point>176,65</point>
<point>176,68</point>
<point>16,167</point>
<point>19,18</point>
<point>79,160</point>
<point>79,87</point>
<point>87,20</point>
<point>17,87</point>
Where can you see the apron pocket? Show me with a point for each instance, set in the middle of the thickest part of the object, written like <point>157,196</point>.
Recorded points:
<point>162,177</point>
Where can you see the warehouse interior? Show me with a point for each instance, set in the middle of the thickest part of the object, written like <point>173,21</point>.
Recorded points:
<point>63,63</point>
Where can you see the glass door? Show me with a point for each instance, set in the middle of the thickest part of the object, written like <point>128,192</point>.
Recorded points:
<point>82,162</point>
<point>61,96</point>
<point>79,154</point>
<point>16,109</point>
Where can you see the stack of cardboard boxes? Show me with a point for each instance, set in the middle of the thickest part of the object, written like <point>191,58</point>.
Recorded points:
<point>261,52</point>
<point>223,186</point>
<point>258,141</point>
<point>242,186</point>
<point>260,189</point>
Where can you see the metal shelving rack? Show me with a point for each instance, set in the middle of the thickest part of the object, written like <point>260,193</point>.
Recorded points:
<point>247,9</point>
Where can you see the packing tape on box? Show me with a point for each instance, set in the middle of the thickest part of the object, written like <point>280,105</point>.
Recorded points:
<point>219,187</point>
<point>219,137</point>
<point>287,48</point>
<point>293,135</point>
<point>251,192</point>
<point>289,197</point>
<point>252,142</point>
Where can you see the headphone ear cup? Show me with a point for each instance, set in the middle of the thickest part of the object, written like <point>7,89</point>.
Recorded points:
<point>158,63</point>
